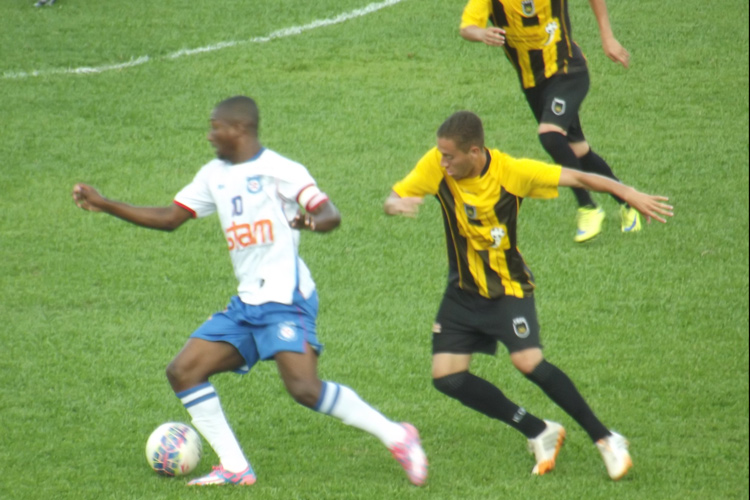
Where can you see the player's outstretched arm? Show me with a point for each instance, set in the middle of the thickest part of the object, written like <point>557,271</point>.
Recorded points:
<point>163,218</point>
<point>611,46</point>
<point>396,205</point>
<point>651,206</point>
<point>492,36</point>
<point>324,218</point>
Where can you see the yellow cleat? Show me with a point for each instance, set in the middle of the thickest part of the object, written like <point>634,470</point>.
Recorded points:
<point>630,219</point>
<point>589,222</point>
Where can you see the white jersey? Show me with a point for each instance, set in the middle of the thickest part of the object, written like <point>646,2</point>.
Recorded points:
<point>255,202</point>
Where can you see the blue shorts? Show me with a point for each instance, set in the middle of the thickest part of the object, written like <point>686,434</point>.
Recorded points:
<point>259,332</point>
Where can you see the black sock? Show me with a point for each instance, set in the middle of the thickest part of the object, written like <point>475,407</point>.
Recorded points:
<point>482,396</point>
<point>592,162</point>
<point>558,148</point>
<point>563,392</point>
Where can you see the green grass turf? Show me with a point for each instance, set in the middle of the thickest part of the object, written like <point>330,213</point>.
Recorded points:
<point>652,327</point>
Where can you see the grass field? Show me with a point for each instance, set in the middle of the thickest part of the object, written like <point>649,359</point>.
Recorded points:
<point>653,327</point>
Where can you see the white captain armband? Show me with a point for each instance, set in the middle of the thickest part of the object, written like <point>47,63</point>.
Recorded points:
<point>311,198</point>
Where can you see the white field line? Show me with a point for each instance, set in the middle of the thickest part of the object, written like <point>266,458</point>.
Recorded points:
<point>282,33</point>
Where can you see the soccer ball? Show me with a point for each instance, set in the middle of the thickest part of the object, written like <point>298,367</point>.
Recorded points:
<point>173,449</point>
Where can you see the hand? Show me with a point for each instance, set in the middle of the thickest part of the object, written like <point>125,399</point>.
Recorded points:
<point>303,220</point>
<point>408,206</point>
<point>87,198</point>
<point>616,52</point>
<point>494,37</point>
<point>650,206</point>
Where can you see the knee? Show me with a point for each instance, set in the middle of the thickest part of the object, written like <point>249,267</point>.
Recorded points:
<point>527,361</point>
<point>450,385</point>
<point>545,127</point>
<point>305,392</point>
<point>580,149</point>
<point>525,367</point>
<point>182,376</point>
<point>175,373</point>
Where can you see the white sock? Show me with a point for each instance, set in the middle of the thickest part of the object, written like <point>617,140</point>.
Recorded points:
<point>202,403</point>
<point>343,403</point>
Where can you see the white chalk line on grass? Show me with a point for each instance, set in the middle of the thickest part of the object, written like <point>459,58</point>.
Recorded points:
<point>282,33</point>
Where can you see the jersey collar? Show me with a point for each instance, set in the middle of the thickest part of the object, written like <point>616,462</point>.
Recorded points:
<point>487,163</point>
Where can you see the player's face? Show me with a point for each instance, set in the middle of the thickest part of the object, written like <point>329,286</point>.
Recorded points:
<point>222,137</point>
<point>457,163</point>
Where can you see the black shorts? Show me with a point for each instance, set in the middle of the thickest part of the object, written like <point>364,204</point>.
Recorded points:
<point>558,99</point>
<point>467,323</point>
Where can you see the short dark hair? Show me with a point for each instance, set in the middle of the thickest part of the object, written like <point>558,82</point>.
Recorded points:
<point>240,109</point>
<point>464,128</point>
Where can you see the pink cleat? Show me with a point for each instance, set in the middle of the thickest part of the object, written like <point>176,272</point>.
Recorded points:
<point>220,476</point>
<point>411,456</point>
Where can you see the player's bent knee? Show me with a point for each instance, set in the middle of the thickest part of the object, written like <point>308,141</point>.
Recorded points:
<point>580,149</point>
<point>550,127</point>
<point>450,385</point>
<point>175,376</point>
<point>525,367</point>
<point>182,376</point>
<point>526,361</point>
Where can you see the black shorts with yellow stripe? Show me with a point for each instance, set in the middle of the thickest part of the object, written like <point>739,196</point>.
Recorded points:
<point>467,323</point>
<point>557,100</point>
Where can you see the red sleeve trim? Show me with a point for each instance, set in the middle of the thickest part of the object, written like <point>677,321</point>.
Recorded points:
<point>316,202</point>
<point>192,212</point>
<point>303,190</point>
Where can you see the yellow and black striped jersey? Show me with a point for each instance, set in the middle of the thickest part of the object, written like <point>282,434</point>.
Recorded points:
<point>538,40</point>
<point>480,216</point>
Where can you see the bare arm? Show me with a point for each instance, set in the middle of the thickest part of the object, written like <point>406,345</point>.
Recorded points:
<point>163,218</point>
<point>611,46</point>
<point>492,36</point>
<point>649,205</point>
<point>396,205</point>
<point>324,218</point>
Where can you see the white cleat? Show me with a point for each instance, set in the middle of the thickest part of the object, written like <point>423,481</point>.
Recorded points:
<point>614,450</point>
<point>546,446</point>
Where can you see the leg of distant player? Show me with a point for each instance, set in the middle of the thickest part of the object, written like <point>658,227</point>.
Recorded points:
<point>188,374</point>
<point>554,140</point>
<point>630,220</point>
<point>299,373</point>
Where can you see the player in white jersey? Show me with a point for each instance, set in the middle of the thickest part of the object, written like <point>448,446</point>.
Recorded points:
<point>263,200</point>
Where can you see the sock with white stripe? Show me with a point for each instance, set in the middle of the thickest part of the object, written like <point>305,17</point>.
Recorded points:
<point>202,403</point>
<point>343,403</point>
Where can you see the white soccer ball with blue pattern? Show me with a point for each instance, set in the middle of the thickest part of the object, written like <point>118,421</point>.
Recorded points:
<point>173,449</point>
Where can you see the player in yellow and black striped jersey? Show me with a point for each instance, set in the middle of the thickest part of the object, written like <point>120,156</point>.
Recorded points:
<point>489,297</point>
<point>537,39</point>
<point>480,216</point>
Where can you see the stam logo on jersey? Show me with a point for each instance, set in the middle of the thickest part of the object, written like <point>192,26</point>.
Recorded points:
<point>251,234</point>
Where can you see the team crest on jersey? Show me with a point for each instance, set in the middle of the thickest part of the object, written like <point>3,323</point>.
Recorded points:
<point>471,211</point>
<point>529,9</point>
<point>521,327</point>
<point>254,185</point>
<point>287,332</point>
<point>558,106</point>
